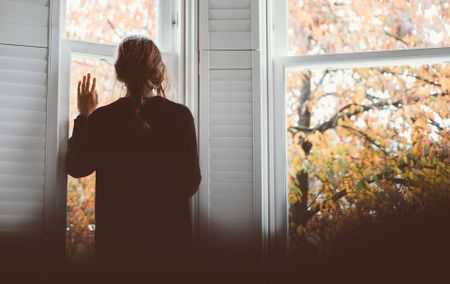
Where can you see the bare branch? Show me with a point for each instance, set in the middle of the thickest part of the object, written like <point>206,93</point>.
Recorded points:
<point>367,137</point>
<point>385,71</point>
<point>396,37</point>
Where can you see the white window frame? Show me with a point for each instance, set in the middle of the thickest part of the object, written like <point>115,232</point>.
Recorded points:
<point>279,61</point>
<point>173,17</point>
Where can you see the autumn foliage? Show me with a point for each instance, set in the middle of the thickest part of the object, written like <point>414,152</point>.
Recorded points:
<point>365,144</point>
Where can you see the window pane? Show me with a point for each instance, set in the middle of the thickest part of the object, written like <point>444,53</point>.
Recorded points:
<point>81,192</point>
<point>363,144</point>
<point>108,21</point>
<point>336,26</point>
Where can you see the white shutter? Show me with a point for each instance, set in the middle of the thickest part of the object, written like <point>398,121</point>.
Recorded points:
<point>229,71</point>
<point>23,113</point>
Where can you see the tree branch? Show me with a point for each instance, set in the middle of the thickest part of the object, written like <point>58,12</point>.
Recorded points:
<point>367,137</point>
<point>385,71</point>
<point>396,37</point>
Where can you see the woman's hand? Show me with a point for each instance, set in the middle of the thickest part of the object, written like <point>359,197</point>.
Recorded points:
<point>87,98</point>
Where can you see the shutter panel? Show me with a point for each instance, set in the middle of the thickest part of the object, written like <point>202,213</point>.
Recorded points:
<point>229,195</point>
<point>23,114</point>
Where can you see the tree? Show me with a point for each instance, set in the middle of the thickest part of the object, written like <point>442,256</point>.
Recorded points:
<point>364,143</point>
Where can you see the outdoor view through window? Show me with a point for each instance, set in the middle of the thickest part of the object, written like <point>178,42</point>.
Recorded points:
<point>364,143</point>
<point>97,21</point>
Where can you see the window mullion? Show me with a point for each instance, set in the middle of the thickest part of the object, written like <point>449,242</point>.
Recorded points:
<point>280,27</point>
<point>367,59</point>
<point>90,48</point>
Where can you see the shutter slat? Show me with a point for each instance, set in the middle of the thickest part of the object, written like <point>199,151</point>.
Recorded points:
<point>22,129</point>
<point>231,165</point>
<point>237,188</point>
<point>231,177</point>
<point>230,40</point>
<point>23,52</point>
<point>16,90</point>
<point>229,26</point>
<point>23,13</point>
<point>21,195</point>
<point>22,156</point>
<point>232,210</point>
<point>14,181</point>
<point>29,169</point>
<point>230,75</point>
<point>17,223</point>
<point>231,131</point>
<point>230,86</point>
<point>227,119</point>
<point>231,108</point>
<point>230,97</point>
<point>230,59</point>
<point>23,64</point>
<point>231,199</point>
<point>229,14</point>
<point>23,77</point>
<point>22,116</point>
<point>231,142</point>
<point>21,208</point>
<point>23,103</point>
<point>18,142</point>
<point>231,154</point>
<point>224,4</point>
<point>34,2</point>
<point>23,35</point>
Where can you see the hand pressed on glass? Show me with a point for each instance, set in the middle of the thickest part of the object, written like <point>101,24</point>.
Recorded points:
<point>87,98</point>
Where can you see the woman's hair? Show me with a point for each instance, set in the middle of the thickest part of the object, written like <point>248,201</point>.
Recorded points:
<point>140,67</point>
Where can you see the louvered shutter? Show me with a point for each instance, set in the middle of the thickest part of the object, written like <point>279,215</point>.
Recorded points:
<point>229,71</point>
<point>23,113</point>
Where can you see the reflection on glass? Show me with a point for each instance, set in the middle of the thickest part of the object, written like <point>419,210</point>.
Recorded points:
<point>108,21</point>
<point>325,26</point>
<point>363,143</point>
<point>81,192</point>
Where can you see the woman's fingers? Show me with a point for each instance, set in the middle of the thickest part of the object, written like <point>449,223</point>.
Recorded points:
<point>88,81</point>
<point>93,85</point>
<point>96,98</point>
<point>83,85</point>
<point>87,95</point>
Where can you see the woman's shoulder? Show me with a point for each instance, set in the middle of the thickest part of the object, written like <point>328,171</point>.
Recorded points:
<point>174,107</point>
<point>106,111</point>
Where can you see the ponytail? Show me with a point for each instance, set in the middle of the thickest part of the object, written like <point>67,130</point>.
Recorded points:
<point>140,67</point>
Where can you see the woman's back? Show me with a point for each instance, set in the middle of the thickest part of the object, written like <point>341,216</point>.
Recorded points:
<point>143,178</point>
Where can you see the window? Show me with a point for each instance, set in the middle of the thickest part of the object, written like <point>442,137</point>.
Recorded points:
<point>361,115</point>
<point>337,26</point>
<point>93,28</point>
<point>108,21</point>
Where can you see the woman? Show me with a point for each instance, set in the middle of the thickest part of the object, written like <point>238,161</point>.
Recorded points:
<point>143,148</point>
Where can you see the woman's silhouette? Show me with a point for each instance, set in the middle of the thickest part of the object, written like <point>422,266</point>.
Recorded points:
<point>143,148</point>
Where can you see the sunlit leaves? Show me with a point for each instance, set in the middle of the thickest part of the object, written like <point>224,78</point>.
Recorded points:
<point>387,151</point>
<point>108,21</point>
<point>324,26</point>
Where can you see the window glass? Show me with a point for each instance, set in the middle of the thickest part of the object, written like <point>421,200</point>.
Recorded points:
<point>336,26</point>
<point>108,21</point>
<point>81,192</point>
<point>363,144</point>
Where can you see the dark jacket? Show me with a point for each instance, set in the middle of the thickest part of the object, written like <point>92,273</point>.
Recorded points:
<point>143,180</point>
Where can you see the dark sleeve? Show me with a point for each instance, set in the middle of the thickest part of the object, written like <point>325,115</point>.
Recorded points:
<point>193,175</point>
<point>81,150</point>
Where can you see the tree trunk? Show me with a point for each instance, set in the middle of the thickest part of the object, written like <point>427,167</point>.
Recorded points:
<point>300,209</point>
